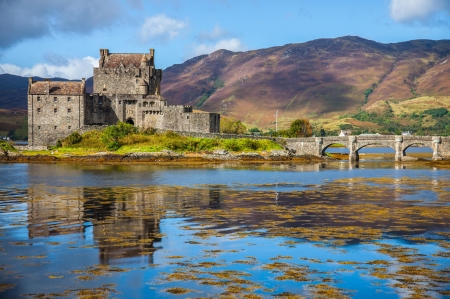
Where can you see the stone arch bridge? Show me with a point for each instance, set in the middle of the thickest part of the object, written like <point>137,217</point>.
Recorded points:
<point>316,146</point>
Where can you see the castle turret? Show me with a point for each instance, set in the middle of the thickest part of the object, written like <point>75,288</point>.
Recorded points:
<point>144,61</point>
<point>143,87</point>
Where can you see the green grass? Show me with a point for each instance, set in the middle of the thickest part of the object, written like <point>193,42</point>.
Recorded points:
<point>141,142</point>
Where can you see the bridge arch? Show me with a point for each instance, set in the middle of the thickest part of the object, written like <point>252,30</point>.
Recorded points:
<point>420,143</point>
<point>328,144</point>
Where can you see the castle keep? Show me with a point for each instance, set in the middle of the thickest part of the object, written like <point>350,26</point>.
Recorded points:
<point>126,88</point>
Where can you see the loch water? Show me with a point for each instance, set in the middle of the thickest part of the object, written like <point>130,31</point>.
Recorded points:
<point>375,229</point>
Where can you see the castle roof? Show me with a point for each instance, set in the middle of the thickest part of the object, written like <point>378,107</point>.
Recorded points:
<point>57,88</point>
<point>115,60</point>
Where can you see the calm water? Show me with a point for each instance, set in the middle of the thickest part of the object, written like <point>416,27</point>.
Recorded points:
<point>335,230</point>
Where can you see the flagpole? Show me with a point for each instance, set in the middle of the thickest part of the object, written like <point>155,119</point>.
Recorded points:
<point>276,121</point>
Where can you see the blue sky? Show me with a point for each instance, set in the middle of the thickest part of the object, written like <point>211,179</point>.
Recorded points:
<point>51,38</point>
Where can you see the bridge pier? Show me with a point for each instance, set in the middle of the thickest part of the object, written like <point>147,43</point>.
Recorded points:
<point>353,156</point>
<point>399,153</point>
<point>436,143</point>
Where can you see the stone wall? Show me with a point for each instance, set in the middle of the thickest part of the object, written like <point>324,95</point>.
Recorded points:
<point>51,117</point>
<point>118,81</point>
<point>181,118</point>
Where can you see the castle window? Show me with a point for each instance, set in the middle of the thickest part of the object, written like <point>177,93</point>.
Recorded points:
<point>145,104</point>
<point>69,110</point>
<point>69,127</point>
<point>68,99</point>
<point>38,109</point>
<point>55,99</point>
<point>55,110</point>
<point>120,102</point>
<point>38,99</point>
<point>39,127</point>
<point>152,104</point>
<point>56,127</point>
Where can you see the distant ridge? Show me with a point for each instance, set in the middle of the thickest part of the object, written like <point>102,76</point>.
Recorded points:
<point>13,90</point>
<point>320,78</point>
<point>323,77</point>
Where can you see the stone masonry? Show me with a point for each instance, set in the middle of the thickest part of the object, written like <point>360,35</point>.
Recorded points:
<point>126,88</point>
<point>316,146</point>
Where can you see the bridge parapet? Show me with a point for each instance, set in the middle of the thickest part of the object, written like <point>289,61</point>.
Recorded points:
<point>317,146</point>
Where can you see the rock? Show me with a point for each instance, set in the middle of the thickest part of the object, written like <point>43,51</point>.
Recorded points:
<point>280,153</point>
<point>220,152</point>
<point>101,154</point>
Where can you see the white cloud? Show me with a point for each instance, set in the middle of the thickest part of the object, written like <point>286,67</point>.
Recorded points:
<point>160,29</point>
<point>215,34</point>
<point>1,71</point>
<point>232,44</point>
<point>424,11</point>
<point>74,69</point>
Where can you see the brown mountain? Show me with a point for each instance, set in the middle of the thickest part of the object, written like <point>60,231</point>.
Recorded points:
<point>316,79</point>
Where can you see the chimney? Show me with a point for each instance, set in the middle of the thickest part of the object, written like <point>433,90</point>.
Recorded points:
<point>30,80</point>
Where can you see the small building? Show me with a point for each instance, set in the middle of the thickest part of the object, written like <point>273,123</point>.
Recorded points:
<point>126,89</point>
<point>345,133</point>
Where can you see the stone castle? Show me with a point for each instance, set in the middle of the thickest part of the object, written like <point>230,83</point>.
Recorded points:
<point>126,89</point>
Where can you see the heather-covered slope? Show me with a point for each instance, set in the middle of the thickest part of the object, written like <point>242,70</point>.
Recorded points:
<point>315,79</point>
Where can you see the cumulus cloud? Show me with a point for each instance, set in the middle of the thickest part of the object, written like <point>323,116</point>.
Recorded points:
<point>232,44</point>
<point>74,69</point>
<point>160,29</point>
<point>423,11</point>
<point>213,35</point>
<point>27,19</point>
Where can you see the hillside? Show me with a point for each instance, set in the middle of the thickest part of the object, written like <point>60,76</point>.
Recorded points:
<point>13,90</point>
<point>317,79</point>
<point>320,79</point>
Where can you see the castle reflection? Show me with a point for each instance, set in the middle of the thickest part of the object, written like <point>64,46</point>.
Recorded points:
<point>125,222</point>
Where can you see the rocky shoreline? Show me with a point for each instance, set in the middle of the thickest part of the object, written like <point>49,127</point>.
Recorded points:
<point>159,157</point>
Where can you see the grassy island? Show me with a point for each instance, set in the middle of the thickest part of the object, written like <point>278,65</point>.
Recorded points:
<point>124,138</point>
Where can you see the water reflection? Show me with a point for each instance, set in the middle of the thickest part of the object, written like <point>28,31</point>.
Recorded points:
<point>330,230</point>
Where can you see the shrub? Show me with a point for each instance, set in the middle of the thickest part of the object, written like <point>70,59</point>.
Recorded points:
<point>111,135</point>
<point>72,139</point>
<point>436,112</point>
<point>232,126</point>
<point>149,131</point>
<point>5,147</point>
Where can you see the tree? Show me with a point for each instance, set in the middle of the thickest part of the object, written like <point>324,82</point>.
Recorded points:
<point>322,132</point>
<point>232,126</point>
<point>300,128</point>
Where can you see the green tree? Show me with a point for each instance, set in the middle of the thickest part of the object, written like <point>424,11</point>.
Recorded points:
<point>232,126</point>
<point>300,128</point>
